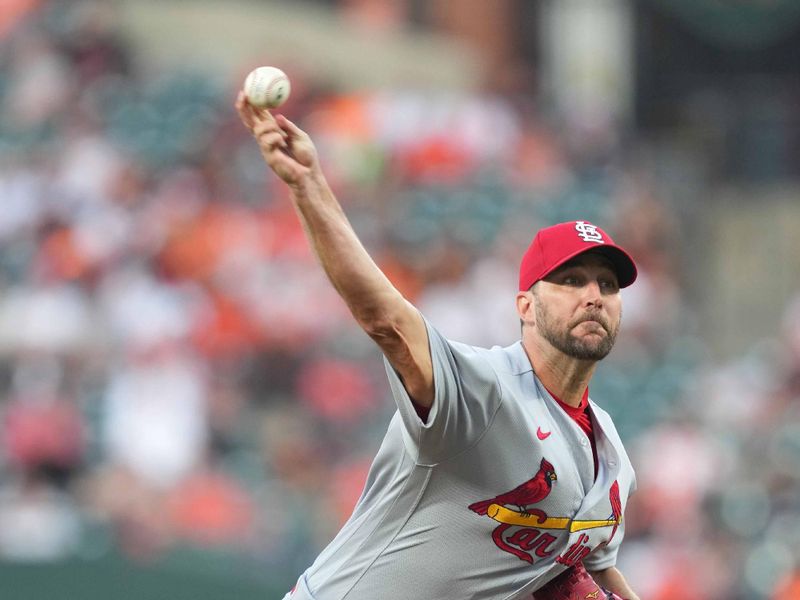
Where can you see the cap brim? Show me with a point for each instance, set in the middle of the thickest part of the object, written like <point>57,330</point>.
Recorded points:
<point>623,263</point>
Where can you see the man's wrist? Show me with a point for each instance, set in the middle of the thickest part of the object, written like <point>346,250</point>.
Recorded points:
<point>305,185</point>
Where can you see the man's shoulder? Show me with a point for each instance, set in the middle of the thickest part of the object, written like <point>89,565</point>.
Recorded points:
<point>504,360</point>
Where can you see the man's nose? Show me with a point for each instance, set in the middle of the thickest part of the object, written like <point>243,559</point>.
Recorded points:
<point>593,296</point>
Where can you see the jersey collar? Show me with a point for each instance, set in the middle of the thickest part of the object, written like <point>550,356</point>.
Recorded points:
<point>518,359</point>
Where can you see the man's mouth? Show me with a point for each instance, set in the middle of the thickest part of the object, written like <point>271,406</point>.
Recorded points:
<point>593,325</point>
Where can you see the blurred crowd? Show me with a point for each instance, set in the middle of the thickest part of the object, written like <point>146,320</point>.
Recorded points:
<point>176,372</point>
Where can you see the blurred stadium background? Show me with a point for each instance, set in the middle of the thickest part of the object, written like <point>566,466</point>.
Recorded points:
<point>186,410</point>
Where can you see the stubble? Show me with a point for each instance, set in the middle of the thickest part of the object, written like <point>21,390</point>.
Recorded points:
<point>582,348</point>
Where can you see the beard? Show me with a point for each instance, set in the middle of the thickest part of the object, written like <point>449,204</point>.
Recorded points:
<point>584,348</point>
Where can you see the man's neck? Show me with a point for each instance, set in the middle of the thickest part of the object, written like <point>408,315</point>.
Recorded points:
<point>564,376</point>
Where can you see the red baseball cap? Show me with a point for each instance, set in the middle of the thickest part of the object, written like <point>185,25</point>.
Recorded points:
<point>553,246</point>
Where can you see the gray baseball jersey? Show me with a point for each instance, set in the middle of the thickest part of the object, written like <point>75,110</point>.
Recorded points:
<point>490,498</point>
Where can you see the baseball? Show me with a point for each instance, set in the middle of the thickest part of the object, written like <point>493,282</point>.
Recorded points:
<point>267,87</point>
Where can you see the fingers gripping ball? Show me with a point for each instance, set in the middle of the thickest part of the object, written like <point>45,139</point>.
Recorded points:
<point>267,87</point>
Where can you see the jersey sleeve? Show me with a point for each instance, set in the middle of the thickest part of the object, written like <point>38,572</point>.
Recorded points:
<point>467,395</point>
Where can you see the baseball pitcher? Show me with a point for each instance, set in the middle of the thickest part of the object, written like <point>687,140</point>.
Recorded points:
<point>498,477</point>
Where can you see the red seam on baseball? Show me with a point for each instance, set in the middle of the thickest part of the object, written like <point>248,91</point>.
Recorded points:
<point>275,82</point>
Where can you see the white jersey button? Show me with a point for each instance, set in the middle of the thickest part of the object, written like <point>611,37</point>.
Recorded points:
<point>584,441</point>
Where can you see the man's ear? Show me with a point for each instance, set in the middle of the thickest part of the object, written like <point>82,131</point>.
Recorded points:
<point>526,307</point>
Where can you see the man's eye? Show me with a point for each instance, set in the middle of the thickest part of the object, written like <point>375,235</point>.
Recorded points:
<point>570,280</point>
<point>608,284</point>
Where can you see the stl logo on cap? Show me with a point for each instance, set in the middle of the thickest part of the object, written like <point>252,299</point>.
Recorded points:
<point>588,232</point>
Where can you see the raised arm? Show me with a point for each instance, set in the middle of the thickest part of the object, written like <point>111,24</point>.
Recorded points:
<point>386,316</point>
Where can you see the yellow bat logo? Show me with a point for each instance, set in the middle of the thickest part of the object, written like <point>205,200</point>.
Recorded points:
<point>593,595</point>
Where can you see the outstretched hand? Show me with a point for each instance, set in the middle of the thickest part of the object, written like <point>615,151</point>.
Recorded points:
<point>287,149</point>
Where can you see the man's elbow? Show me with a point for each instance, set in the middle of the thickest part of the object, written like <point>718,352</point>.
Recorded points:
<point>408,353</point>
<point>380,326</point>
<point>384,323</point>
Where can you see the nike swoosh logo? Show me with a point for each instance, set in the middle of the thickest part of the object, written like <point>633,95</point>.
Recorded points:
<point>542,435</point>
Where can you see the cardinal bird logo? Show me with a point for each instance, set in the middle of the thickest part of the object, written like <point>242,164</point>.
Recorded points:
<point>616,507</point>
<point>536,489</point>
<point>532,491</point>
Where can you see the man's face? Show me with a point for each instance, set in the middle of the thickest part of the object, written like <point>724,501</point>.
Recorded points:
<point>578,307</point>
